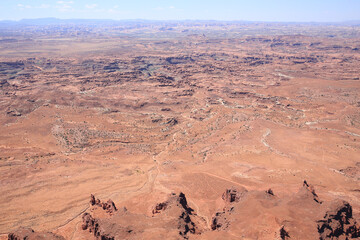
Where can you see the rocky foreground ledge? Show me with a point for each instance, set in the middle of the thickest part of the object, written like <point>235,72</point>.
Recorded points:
<point>302,215</point>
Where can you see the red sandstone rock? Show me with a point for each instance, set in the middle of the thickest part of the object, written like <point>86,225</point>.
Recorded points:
<point>232,195</point>
<point>108,206</point>
<point>175,215</point>
<point>30,234</point>
<point>338,223</point>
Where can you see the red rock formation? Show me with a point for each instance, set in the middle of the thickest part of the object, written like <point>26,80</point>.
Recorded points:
<point>284,234</point>
<point>309,191</point>
<point>232,195</point>
<point>302,208</point>
<point>174,215</point>
<point>88,222</point>
<point>339,223</point>
<point>30,234</point>
<point>108,206</point>
<point>219,221</point>
<point>159,207</point>
<point>270,192</point>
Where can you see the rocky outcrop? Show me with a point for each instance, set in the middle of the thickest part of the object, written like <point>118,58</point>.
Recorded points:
<point>177,217</point>
<point>30,234</point>
<point>308,191</point>
<point>284,234</point>
<point>243,208</point>
<point>270,192</point>
<point>159,207</point>
<point>186,223</point>
<point>88,222</point>
<point>174,214</point>
<point>246,213</point>
<point>94,227</point>
<point>338,223</point>
<point>232,195</point>
<point>219,221</point>
<point>108,206</point>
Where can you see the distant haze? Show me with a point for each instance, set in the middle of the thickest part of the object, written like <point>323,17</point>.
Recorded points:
<point>250,10</point>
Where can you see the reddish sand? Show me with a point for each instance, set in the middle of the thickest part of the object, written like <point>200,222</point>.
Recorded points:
<point>141,121</point>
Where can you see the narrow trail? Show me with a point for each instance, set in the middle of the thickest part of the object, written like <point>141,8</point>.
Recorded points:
<point>71,219</point>
<point>73,233</point>
<point>157,165</point>
<point>155,158</point>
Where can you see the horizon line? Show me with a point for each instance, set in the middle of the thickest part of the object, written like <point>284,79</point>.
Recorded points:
<point>178,20</point>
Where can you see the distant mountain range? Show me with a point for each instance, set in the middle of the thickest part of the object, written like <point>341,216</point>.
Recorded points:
<point>57,21</point>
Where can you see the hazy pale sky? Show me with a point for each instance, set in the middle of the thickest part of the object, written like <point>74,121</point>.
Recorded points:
<point>253,10</point>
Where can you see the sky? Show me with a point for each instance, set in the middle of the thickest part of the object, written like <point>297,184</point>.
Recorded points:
<point>250,10</point>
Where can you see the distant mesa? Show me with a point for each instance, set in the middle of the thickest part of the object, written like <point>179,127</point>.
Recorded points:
<point>179,60</point>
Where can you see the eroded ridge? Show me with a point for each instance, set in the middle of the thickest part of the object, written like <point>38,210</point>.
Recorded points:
<point>173,216</point>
